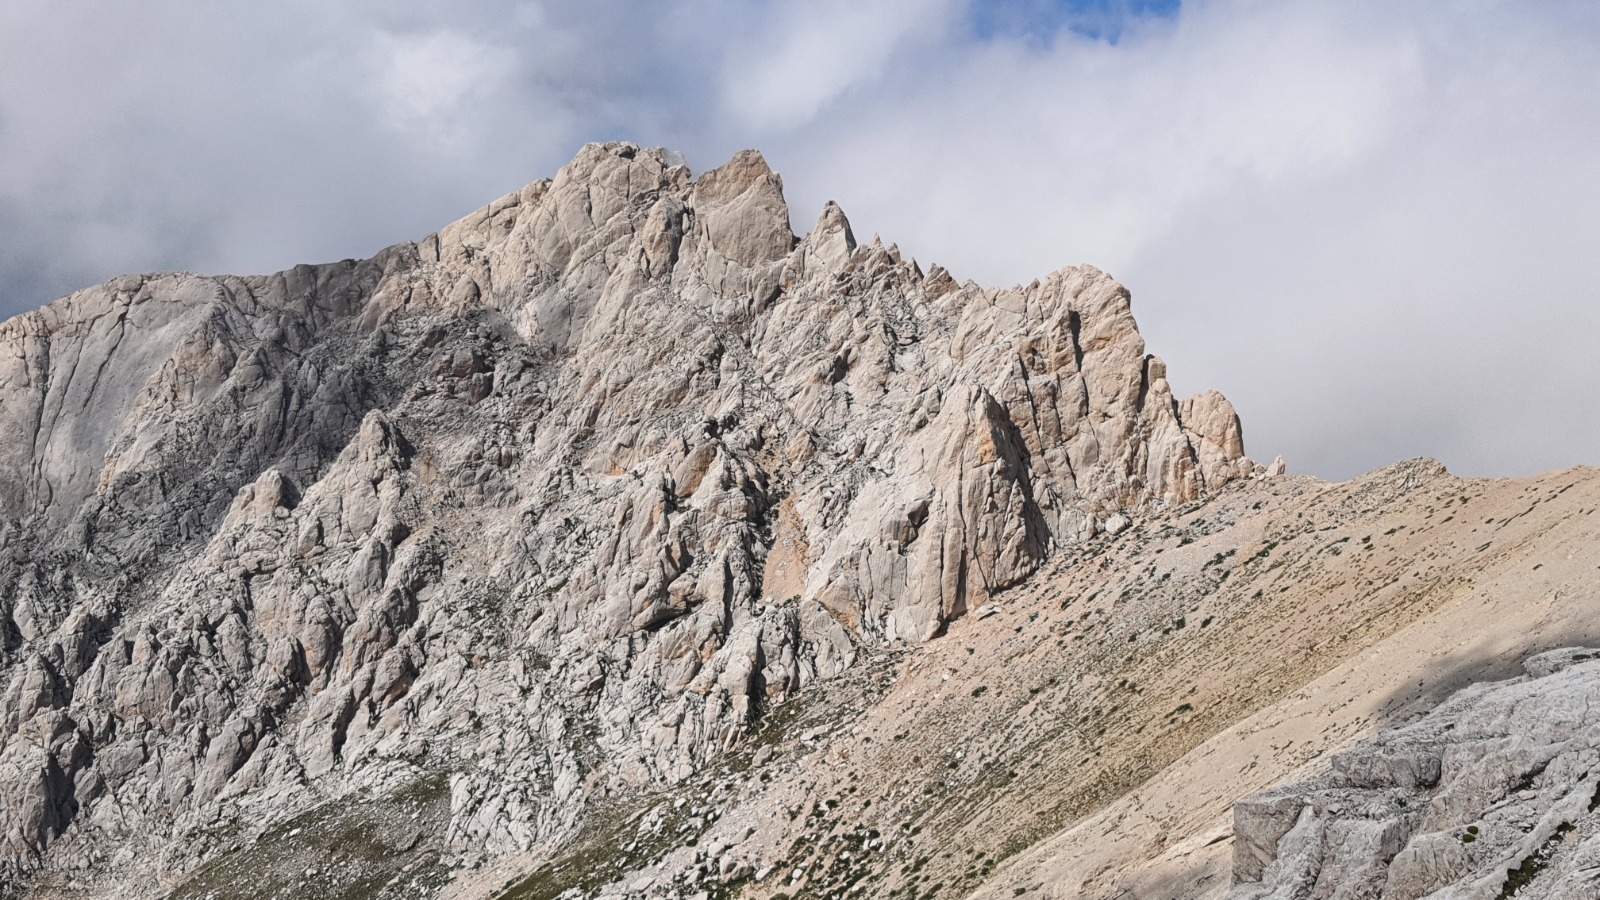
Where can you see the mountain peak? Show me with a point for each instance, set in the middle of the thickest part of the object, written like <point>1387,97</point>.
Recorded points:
<point>573,491</point>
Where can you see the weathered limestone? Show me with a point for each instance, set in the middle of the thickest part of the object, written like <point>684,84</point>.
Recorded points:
<point>1494,794</point>
<point>570,492</point>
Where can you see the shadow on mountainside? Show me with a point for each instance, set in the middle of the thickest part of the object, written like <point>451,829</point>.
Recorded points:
<point>1409,702</point>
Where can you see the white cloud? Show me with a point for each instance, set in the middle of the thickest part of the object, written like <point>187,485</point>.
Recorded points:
<point>809,53</point>
<point>428,84</point>
<point>1099,148</point>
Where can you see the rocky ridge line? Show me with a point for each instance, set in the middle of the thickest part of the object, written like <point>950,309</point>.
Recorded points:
<point>556,502</point>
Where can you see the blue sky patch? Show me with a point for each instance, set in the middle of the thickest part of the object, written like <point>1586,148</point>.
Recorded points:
<point>1041,20</point>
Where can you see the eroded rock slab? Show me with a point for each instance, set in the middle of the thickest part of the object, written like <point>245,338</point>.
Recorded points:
<point>1494,795</point>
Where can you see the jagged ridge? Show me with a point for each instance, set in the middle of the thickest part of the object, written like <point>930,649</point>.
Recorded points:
<point>567,494</point>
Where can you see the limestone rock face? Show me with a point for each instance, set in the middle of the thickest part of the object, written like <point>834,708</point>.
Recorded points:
<point>568,493</point>
<point>1494,794</point>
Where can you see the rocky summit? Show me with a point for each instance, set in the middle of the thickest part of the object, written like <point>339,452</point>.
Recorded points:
<point>616,541</point>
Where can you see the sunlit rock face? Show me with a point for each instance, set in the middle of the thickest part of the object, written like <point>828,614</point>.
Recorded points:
<point>558,501</point>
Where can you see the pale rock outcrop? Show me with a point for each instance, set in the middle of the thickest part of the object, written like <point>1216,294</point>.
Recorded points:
<point>570,492</point>
<point>1495,794</point>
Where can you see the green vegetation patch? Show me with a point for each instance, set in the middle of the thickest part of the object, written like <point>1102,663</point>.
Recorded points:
<point>1533,864</point>
<point>354,848</point>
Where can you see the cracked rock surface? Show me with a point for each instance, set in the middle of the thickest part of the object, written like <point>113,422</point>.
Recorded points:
<point>552,505</point>
<point>1496,794</point>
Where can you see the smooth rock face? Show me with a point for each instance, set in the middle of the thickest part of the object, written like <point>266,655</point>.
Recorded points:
<point>568,493</point>
<point>1496,794</point>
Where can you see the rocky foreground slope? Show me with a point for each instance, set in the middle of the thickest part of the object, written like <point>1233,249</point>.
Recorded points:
<point>616,541</point>
<point>1496,794</point>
